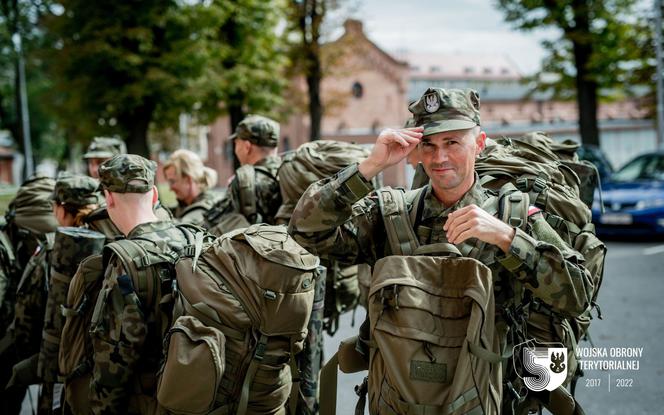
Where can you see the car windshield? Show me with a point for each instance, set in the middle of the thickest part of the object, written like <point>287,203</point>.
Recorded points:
<point>648,167</point>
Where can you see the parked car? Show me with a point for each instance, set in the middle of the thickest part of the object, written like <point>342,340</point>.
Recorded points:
<point>633,198</point>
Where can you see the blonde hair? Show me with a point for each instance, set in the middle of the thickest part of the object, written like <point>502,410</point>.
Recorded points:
<point>187,163</point>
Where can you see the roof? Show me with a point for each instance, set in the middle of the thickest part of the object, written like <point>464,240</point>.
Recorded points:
<point>424,65</point>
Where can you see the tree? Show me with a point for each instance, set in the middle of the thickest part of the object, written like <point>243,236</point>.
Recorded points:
<point>306,19</point>
<point>20,19</point>
<point>122,66</point>
<point>246,71</point>
<point>594,56</point>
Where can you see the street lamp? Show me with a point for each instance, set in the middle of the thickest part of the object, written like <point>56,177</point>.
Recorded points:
<point>23,97</point>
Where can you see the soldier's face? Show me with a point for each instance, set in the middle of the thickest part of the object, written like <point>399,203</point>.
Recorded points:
<point>449,157</point>
<point>93,167</point>
<point>180,185</point>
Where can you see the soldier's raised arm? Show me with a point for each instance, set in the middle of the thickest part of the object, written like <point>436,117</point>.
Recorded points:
<point>330,223</point>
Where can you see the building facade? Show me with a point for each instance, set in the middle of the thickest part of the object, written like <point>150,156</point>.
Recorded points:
<point>366,89</point>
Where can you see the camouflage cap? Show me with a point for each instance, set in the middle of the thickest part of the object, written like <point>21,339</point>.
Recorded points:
<point>440,110</point>
<point>259,130</point>
<point>75,189</point>
<point>105,148</point>
<point>127,173</point>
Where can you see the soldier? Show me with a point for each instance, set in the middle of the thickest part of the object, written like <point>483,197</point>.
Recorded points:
<point>191,182</point>
<point>254,192</point>
<point>100,150</point>
<point>340,218</point>
<point>29,219</point>
<point>74,196</point>
<point>128,324</point>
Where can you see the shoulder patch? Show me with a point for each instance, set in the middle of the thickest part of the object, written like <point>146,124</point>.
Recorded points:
<point>532,210</point>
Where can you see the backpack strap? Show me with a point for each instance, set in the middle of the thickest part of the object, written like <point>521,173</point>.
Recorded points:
<point>246,180</point>
<point>513,206</point>
<point>398,222</point>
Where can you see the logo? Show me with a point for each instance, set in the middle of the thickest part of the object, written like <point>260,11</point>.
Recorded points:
<point>541,366</point>
<point>431,103</point>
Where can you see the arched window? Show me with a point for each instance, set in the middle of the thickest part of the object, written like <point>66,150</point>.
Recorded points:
<point>357,90</point>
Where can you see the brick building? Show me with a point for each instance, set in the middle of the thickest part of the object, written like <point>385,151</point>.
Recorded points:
<point>366,89</point>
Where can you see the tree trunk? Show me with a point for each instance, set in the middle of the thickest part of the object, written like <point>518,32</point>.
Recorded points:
<point>236,114</point>
<point>586,87</point>
<point>136,125</point>
<point>315,106</point>
<point>310,20</point>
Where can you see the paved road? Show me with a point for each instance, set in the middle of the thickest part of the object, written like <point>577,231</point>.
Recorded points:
<point>632,302</point>
<point>632,299</point>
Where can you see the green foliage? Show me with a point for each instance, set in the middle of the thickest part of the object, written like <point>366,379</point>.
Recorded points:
<point>247,65</point>
<point>21,17</point>
<point>619,36</point>
<point>121,67</point>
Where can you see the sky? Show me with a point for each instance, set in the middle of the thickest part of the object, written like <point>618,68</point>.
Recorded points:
<point>474,26</point>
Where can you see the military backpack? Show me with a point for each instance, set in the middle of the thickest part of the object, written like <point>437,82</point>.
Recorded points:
<point>241,314</point>
<point>433,347</point>
<point>300,168</point>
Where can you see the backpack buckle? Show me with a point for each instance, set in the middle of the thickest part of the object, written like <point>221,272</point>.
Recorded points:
<point>539,185</point>
<point>522,184</point>
<point>189,250</point>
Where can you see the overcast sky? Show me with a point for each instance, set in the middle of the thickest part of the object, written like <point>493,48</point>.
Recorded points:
<point>449,26</point>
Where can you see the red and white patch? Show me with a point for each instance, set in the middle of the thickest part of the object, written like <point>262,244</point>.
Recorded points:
<point>532,210</point>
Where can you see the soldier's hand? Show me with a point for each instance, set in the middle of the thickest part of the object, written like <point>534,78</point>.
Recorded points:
<point>474,222</point>
<point>391,147</point>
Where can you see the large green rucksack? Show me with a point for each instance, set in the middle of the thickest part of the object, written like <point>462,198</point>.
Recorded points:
<point>28,218</point>
<point>559,184</point>
<point>226,221</point>
<point>300,168</point>
<point>241,314</point>
<point>72,245</point>
<point>433,345</point>
<point>147,261</point>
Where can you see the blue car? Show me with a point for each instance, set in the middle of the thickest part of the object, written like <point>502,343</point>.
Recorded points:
<point>633,199</point>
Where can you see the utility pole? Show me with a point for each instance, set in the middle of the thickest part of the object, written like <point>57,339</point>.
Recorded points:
<point>660,73</point>
<point>23,96</point>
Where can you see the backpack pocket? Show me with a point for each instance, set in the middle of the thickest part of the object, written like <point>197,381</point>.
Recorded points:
<point>191,347</point>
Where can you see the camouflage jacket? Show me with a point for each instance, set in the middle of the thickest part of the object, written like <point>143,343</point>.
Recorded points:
<point>195,212</point>
<point>31,301</point>
<point>125,330</point>
<point>335,219</point>
<point>267,194</point>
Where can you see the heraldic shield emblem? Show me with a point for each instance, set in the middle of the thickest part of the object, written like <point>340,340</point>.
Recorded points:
<point>541,366</point>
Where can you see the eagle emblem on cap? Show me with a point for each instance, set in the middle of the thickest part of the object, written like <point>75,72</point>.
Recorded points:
<point>431,102</point>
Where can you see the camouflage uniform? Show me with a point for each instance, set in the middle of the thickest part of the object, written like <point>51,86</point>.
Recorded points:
<point>339,219</point>
<point>28,219</point>
<point>196,211</point>
<point>125,330</point>
<point>31,311</point>
<point>263,132</point>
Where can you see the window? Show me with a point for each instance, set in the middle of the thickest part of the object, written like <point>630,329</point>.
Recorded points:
<point>357,90</point>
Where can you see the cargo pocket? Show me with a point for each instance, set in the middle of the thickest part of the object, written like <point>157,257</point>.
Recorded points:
<point>191,348</point>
